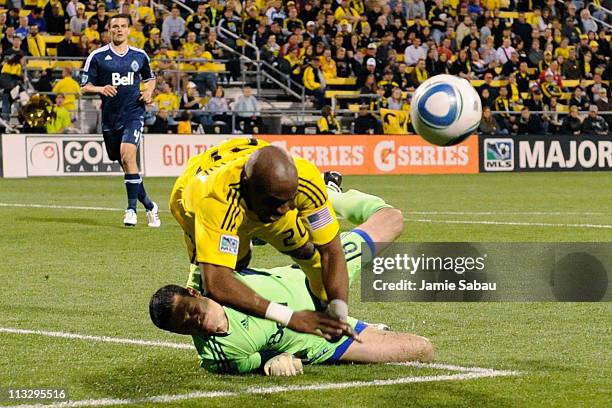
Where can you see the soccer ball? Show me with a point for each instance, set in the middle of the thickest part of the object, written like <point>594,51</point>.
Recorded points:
<point>445,110</point>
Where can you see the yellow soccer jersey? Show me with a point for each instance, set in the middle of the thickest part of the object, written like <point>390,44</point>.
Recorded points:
<point>221,224</point>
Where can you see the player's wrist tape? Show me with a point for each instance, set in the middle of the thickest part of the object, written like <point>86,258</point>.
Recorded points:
<point>338,308</point>
<point>279,313</point>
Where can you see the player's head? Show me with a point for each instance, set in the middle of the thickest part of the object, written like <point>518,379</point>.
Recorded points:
<point>270,183</point>
<point>119,26</point>
<point>185,311</point>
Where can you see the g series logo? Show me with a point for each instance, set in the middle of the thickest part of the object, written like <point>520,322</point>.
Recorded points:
<point>118,80</point>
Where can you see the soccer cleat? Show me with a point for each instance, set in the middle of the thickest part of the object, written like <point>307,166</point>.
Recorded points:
<point>153,217</point>
<point>130,219</point>
<point>333,180</point>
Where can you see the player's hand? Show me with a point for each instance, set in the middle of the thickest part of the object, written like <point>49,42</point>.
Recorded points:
<point>146,97</point>
<point>321,324</point>
<point>284,364</point>
<point>109,90</point>
<point>338,309</point>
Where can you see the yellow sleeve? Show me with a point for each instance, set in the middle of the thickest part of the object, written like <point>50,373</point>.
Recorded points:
<point>216,228</point>
<point>322,125</point>
<point>339,14</point>
<point>313,204</point>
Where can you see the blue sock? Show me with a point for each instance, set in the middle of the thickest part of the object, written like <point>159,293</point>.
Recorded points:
<point>132,184</point>
<point>143,197</point>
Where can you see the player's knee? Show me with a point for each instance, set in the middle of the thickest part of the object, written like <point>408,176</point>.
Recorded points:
<point>306,251</point>
<point>424,350</point>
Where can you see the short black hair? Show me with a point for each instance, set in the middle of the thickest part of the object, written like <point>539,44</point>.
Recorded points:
<point>122,15</point>
<point>160,305</point>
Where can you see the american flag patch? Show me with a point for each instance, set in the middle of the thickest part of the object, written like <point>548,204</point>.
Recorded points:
<point>320,219</point>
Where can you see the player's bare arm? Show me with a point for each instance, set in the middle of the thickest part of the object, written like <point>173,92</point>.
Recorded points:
<point>335,277</point>
<point>147,94</point>
<point>106,90</point>
<point>220,284</point>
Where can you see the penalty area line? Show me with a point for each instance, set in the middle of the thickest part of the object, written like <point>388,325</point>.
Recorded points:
<point>511,223</point>
<point>271,390</point>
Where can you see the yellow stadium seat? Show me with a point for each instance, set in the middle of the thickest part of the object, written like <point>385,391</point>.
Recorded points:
<point>399,58</point>
<point>341,81</point>
<point>409,70</point>
<point>571,83</point>
<point>53,39</point>
<point>342,94</point>
<point>212,67</point>
<point>524,95</point>
<point>31,3</point>
<point>566,96</point>
<point>562,108</point>
<point>172,53</point>
<point>531,71</point>
<point>24,13</point>
<point>71,64</point>
<point>476,82</point>
<point>52,52</point>
<point>353,107</point>
<point>39,64</point>
<point>497,83</point>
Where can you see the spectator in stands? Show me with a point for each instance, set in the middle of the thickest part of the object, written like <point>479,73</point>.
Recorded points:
<point>502,105</point>
<point>528,124</point>
<point>580,99</point>
<point>247,112</point>
<point>136,37</point>
<point>55,19</point>
<point>442,65</point>
<point>173,28</point>
<point>191,102</point>
<point>314,81</point>
<point>91,32</point>
<point>218,107</point>
<point>419,74</point>
<point>153,43</point>
<point>84,46</point>
<point>485,97</point>
<point>504,53</point>
<point>604,105</point>
<point>15,47</point>
<point>462,66</point>
<point>587,21</point>
<point>596,87</point>
<point>328,124</point>
<point>144,11</point>
<point>162,61</point>
<point>44,83</point>
<point>231,23</point>
<point>36,18</point>
<point>550,88</point>
<point>387,84</point>
<point>594,124</point>
<point>160,125</point>
<point>572,124</point>
<point>553,119</point>
<point>23,29</point>
<point>36,44</point>
<point>396,100</point>
<point>512,65</point>
<point>101,17</point>
<point>60,117</point>
<point>366,123</point>
<point>11,79</point>
<point>69,87</point>
<point>167,100</point>
<point>488,124</point>
<point>571,65</point>
<point>415,52</point>
<point>78,23</point>
<point>71,8</point>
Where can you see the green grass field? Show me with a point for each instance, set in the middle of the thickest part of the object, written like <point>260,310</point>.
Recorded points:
<point>80,271</point>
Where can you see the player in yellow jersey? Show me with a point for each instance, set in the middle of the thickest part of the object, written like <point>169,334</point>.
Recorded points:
<point>247,188</point>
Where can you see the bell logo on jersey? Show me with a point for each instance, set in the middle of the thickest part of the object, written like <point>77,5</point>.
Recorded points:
<point>118,80</point>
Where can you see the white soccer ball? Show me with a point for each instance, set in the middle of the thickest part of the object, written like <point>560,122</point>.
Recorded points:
<point>445,110</point>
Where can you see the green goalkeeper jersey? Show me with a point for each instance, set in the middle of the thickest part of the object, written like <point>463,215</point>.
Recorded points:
<point>250,341</point>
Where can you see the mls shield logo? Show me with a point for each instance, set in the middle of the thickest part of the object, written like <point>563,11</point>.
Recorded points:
<point>229,244</point>
<point>498,154</point>
<point>134,66</point>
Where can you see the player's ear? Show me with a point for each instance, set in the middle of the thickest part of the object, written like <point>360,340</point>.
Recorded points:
<point>194,292</point>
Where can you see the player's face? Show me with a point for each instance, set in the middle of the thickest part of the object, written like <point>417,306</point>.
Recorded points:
<point>197,315</point>
<point>119,29</point>
<point>269,207</point>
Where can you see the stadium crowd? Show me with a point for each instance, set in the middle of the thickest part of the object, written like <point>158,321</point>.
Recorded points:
<point>522,55</point>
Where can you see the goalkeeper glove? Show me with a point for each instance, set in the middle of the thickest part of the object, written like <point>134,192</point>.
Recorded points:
<point>284,364</point>
<point>338,309</point>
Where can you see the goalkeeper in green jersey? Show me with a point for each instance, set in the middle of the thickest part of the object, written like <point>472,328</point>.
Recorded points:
<point>229,341</point>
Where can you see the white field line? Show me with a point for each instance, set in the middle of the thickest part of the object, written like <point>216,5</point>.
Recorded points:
<point>94,208</point>
<point>469,222</point>
<point>271,390</point>
<point>467,373</point>
<point>105,339</point>
<point>512,223</point>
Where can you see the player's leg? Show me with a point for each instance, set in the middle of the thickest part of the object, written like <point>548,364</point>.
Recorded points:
<point>379,346</point>
<point>133,181</point>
